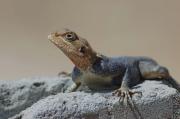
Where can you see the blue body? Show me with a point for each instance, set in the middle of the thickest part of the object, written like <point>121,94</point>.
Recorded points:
<point>114,68</point>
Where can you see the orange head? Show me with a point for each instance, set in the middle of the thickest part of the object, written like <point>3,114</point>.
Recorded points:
<point>76,48</point>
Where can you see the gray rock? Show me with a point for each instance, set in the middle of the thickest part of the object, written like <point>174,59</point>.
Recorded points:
<point>17,95</point>
<point>158,101</point>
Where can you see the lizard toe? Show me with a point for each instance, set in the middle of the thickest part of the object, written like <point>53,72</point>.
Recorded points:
<point>125,95</point>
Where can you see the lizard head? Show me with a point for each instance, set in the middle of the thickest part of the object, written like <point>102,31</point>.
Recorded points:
<point>76,48</point>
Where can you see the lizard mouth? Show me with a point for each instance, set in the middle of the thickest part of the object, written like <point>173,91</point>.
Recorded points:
<point>50,37</point>
<point>55,39</point>
<point>53,35</point>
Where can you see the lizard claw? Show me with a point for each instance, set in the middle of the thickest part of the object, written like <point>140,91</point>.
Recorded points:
<point>126,98</point>
<point>125,95</point>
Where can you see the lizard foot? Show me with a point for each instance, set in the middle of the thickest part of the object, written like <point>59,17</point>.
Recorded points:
<point>126,98</point>
<point>125,95</point>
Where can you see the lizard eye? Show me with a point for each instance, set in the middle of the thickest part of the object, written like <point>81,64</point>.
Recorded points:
<point>70,36</point>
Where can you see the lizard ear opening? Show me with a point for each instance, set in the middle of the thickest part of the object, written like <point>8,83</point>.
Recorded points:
<point>82,49</point>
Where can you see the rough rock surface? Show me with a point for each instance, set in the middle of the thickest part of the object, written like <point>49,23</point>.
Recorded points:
<point>17,95</point>
<point>159,101</point>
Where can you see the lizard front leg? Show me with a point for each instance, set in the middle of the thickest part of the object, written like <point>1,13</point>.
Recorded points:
<point>130,78</point>
<point>76,78</point>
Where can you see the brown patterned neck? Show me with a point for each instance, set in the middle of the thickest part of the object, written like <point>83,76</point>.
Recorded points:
<point>83,62</point>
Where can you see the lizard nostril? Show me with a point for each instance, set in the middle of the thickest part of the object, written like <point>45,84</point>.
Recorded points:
<point>57,34</point>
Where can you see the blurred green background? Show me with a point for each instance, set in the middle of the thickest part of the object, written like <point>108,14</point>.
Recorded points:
<point>113,27</point>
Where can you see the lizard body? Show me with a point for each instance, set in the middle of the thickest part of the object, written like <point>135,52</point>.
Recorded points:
<point>98,71</point>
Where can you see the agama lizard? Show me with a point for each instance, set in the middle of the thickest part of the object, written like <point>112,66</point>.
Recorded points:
<point>96,70</point>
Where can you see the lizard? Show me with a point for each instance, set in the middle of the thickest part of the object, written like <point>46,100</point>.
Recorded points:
<point>95,70</point>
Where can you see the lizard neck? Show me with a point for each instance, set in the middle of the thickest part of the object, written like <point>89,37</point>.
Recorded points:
<point>84,63</point>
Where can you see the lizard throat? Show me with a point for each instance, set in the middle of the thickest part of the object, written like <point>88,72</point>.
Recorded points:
<point>82,62</point>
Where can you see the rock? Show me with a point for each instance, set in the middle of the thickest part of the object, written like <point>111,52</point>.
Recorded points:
<point>17,95</point>
<point>159,101</point>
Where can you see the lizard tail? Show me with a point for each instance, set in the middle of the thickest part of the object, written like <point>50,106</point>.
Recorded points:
<point>173,82</point>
